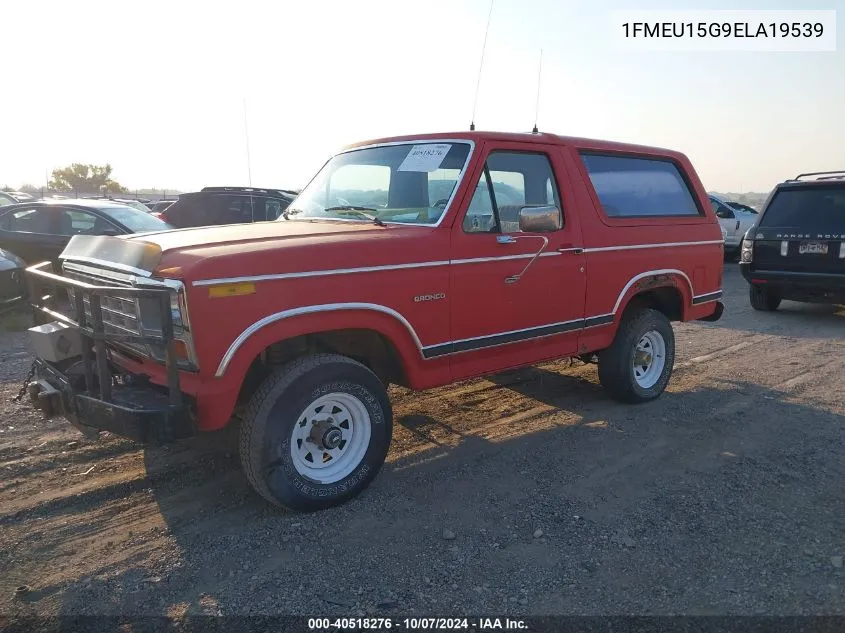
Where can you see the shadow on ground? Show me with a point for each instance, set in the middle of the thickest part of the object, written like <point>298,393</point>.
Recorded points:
<point>723,500</point>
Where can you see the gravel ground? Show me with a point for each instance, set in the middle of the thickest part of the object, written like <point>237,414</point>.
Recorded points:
<point>526,493</point>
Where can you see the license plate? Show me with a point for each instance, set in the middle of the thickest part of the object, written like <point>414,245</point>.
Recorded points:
<point>812,248</point>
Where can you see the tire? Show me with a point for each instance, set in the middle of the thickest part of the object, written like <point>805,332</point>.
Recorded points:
<point>293,407</point>
<point>761,299</point>
<point>647,329</point>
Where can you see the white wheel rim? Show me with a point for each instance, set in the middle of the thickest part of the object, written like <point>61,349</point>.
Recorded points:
<point>330,437</point>
<point>649,359</point>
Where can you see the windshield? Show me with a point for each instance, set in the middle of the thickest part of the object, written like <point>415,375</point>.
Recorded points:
<point>134,220</point>
<point>408,183</point>
<point>135,205</point>
<point>817,207</point>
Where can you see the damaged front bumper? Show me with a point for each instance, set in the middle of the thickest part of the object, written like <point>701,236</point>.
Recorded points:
<point>92,392</point>
<point>135,409</point>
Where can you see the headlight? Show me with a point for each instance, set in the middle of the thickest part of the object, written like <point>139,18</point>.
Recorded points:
<point>151,320</point>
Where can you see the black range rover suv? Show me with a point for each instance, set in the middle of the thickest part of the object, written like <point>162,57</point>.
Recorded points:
<point>796,248</point>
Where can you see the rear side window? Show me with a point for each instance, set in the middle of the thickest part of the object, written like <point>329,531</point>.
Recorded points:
<point>629,187</point>
<point>817,207</point>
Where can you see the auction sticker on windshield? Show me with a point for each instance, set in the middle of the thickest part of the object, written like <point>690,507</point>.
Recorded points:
<point>425,157</point>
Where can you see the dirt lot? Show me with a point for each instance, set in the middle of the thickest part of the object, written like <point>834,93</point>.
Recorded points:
<point>526,493</point>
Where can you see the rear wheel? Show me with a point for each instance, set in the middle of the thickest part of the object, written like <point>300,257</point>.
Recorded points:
<point>763,299</point>
<point>316,432</point>
<point>638,364</point>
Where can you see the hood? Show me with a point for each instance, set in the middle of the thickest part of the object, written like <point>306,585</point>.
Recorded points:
<point>184,248</point>
<point>10,261</point>
<point>240,234</point>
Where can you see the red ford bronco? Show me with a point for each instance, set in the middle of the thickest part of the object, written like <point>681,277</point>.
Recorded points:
<point>419,261</point>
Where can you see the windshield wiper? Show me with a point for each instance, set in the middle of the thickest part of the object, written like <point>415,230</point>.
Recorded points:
<point>289,212</point>
<point>351,209</point>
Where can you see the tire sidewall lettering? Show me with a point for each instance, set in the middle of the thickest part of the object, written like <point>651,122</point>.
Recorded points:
<point>281,437</point>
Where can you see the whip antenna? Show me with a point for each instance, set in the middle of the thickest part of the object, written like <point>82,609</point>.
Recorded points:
<point>246,135</point>
<point>481,66</point>
<point>537,104</point>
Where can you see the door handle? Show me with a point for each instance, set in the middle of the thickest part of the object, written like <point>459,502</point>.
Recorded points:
<point>569,248</point>
<point>505,239</point>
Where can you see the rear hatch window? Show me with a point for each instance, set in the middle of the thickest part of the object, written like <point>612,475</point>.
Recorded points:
<point>811,220</point>
<point>815,209</point>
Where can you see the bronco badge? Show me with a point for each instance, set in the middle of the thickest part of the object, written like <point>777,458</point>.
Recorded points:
<point>435,297</point>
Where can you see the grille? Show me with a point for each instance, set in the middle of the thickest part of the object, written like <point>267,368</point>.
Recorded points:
<point>120,313</point>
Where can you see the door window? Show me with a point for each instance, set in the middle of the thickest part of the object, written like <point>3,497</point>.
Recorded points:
<point>228,209</point>
<point>510,181</point>
<point>27,221</point>
<point>53,221</point>
<point>274,208</point>
<point>721,210</point>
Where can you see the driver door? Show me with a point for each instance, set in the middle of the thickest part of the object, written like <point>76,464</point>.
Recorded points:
<point>517,295</point>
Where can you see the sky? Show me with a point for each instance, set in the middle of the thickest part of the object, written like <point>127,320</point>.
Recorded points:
<point>169,92</point>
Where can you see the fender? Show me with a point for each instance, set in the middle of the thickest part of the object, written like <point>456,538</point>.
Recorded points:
<point>321,318</point>
<point>651,279</point>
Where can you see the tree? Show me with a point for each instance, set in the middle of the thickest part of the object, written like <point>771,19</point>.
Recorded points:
<point>80,178</point>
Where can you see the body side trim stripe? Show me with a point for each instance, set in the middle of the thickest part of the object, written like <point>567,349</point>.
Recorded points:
<point>707,298</point>
<point>602,249</point>
<point>317,273</point>
<point>461,345</point>
<point>473,260</point>
<point>500,338</point>
<point>362,269</point>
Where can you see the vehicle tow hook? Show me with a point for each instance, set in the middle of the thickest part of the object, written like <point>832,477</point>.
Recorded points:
<point>44,397</point>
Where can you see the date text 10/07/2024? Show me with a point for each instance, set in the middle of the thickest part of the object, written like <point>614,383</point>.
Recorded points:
<point>417,624</point>
<point>723,29</point>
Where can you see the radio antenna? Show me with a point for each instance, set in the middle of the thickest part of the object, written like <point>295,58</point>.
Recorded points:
<point>481,66</point>
<point>537,104</point>
<point>246,135</point>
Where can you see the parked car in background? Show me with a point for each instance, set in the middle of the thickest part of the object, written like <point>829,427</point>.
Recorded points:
<point>796,251</point>
<point>7,198</point>
<point>734,221</point>
<point>21,196</point>
<point>137,204</point>
<point>397,264</point>
<point>12,283</point>
<point>227,205</point>
<point>160,206</point>
<point>743,207</point>
<point>40,230</point>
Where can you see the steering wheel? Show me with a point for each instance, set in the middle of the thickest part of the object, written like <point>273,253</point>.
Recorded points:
<point>441,204</point>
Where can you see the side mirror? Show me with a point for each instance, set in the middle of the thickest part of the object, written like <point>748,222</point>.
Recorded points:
<point>540,219</point>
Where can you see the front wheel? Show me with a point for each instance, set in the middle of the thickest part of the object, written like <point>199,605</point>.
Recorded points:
<point>316,432</point>
<point>638,364</point>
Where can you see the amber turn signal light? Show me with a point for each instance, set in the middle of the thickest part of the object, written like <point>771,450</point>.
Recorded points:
<point>231,290</point>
